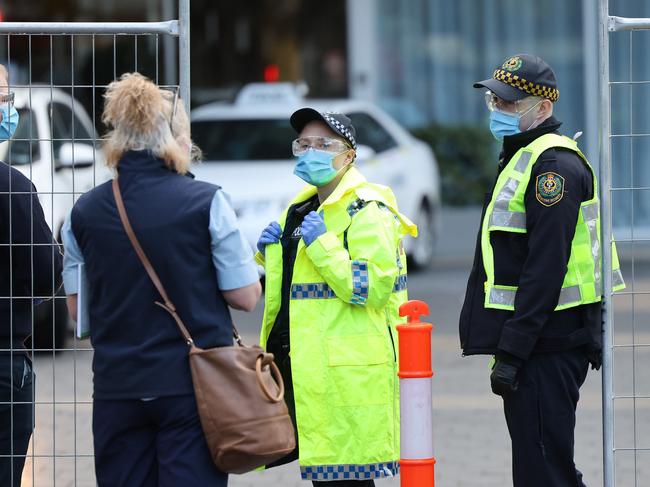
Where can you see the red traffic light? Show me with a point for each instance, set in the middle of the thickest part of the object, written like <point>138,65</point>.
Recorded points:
<point>271,73</point>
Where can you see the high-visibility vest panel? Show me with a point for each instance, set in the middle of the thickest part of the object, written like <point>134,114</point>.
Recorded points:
<point>506,212</point>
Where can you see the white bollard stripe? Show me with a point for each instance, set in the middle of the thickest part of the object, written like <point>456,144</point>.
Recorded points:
<point>416,434</point>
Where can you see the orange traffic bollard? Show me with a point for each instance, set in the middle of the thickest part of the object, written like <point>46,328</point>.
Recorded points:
<point>416,409</point>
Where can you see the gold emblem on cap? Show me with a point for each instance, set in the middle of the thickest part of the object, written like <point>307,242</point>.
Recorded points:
<point>512,64</point>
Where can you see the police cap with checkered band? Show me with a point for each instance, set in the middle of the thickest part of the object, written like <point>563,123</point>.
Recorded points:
<point>338,122</point>
<point>521,76</point>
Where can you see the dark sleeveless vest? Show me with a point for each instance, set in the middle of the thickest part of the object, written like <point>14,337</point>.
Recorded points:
<point>139,351</point>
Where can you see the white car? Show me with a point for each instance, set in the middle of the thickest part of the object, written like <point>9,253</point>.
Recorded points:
<point>247,151</point>
<point>55,146</point>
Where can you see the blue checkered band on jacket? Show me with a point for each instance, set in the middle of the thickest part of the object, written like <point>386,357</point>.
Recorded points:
<point>401,283</point>
<point>350,472</point>
<point>359,282</point>
<point>317,290</point>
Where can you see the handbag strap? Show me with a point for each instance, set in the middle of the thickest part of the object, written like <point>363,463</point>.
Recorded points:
<point>167,305</point>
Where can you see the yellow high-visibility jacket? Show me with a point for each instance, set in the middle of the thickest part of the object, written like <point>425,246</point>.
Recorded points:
<point>346,290</point>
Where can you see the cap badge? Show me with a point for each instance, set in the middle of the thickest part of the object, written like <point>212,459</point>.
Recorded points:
<point>512,64</point>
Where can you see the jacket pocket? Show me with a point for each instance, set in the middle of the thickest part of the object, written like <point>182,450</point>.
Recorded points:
<point>359,371</point>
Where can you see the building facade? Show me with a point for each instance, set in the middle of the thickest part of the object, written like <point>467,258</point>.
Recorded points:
<point>418,60</point>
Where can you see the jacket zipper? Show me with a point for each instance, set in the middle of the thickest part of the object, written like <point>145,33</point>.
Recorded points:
<point>392,342</point>
<point>395,381</point>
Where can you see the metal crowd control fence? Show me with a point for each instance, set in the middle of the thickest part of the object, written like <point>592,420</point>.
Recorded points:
<point>625,191</point>
<point>58,72</point>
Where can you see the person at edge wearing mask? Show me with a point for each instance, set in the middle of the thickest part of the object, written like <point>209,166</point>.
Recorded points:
<point>335,278</point>
<point>30,269</point>
<point>533,295</point>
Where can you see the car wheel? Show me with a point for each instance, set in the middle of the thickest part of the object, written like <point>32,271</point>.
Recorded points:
<point>50,325</point>
<point>422,250</point>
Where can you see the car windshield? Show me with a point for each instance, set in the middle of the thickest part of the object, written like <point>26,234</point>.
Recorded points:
<point>244,140</point>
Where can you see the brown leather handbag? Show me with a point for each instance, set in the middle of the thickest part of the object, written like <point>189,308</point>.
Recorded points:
<point>243,414</point>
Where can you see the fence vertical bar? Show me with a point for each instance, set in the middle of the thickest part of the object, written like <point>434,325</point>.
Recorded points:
<point>606,221</point>
<point>184,52</point>
<point>58,460</point>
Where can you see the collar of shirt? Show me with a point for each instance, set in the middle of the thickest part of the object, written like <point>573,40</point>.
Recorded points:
<point>512,143</point>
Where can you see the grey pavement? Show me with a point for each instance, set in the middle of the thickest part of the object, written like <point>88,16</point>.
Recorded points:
<point>470,437</point>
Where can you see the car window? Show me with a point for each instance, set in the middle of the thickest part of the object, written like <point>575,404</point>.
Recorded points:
<point>63,122</point>
<point>61,125</point>
<point>24,146</point>
<point>81,133</point>
<point>244,140</point>
<point>371,133</point>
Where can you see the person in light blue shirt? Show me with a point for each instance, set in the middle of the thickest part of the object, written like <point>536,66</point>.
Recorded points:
<point>146,427</point>
<point>232,256</point>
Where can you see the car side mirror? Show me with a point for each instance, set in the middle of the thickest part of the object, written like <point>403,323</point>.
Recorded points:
<point>76,156</point>
<point>365,153</point>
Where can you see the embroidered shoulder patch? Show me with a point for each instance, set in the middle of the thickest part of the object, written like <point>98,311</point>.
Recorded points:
<point>549,188</point>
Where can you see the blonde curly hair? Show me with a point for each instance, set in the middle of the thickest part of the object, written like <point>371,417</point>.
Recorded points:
<point>139,114</point>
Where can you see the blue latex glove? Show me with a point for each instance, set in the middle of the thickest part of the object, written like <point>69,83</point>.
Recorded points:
<point>313,227</point>
<point>270,235</point>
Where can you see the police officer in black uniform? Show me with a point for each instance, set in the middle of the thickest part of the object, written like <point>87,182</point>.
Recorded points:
<point>542,355</point>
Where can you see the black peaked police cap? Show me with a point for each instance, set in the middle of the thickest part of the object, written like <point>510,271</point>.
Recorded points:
<point>521,76</point>
<point>338,122</point>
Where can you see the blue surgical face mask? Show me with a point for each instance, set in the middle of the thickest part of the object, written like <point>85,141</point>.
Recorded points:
<point>504,124</point>
<point>315,167</point>
<point>9,122</point>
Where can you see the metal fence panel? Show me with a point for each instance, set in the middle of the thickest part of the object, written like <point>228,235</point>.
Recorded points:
<point>62,70</point>
<point>625,187</point>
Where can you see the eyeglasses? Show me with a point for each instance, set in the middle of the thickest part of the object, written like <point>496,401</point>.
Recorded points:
<point>494,103</point>
<point>327,144</point>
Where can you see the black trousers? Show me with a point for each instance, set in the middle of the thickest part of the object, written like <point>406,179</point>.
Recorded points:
<point>16,418</point>
<point>541,417</point>
<point>157,443</point>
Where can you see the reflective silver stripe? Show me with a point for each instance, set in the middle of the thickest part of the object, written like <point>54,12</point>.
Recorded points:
<point>590,212</point>
<point>502,201</point>
<point>350,472</point>
<point>522,163</point>
<point>592,225</point>
<point>509,219</point>
<point>501,215</point>
<point>506,297</point>
<point>570,295</point>
<point>617,278</point>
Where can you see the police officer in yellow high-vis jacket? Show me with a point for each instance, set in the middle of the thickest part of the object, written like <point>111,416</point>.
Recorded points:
<point>335,277</point>
<point>534,292</point>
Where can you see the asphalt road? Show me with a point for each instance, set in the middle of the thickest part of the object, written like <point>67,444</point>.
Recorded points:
<point>470,437</point>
